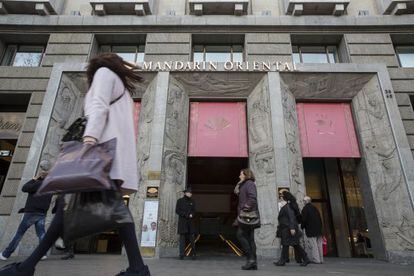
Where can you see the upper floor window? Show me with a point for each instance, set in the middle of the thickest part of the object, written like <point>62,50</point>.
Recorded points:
<point>314,54</point>
<point>218,53</point>
<point>133,53</point>
<point>23,55</point>
<point>405,55</point>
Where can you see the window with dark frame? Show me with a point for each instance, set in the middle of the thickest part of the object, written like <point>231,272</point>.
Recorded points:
<point>315,54</point>
<point>23,55</point>
<point>405,55</point>
<point>218,53</point>
<point>131,53</point>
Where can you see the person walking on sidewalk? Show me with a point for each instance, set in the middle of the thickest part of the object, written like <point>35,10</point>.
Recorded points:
<point>110,114</point>
<point>185,209</point>
<point>247,192</point>
<point>312,224</point>
<point>34,211</point>
<point>288,229</point>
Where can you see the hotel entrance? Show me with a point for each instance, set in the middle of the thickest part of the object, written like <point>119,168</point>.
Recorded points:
<point>213,180</point>
<point>331,156</point>
<point>335,190</point>
<point>217,152</point>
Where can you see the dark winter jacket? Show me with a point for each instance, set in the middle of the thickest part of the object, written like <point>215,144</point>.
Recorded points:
<point>311,221</point>
<point>35,204</point>
<point>247,197</point>
<point>287,221</point>
<point>184,208</point>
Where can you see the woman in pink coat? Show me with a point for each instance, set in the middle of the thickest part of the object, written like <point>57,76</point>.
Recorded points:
<point>111,80</point>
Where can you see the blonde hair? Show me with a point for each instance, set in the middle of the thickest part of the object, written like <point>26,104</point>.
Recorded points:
<point>248,173</point>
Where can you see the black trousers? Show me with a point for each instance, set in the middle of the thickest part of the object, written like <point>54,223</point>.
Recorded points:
<point>245,235</point>
<point>126,233</point>
<point>300,253</point>
<point>183,240</point>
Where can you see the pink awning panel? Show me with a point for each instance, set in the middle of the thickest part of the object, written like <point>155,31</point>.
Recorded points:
<point>218,130</point>
<point>137,110</point>
<point>327,130</point>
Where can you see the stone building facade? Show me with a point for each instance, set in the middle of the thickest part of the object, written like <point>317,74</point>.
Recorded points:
<point>372,40</point>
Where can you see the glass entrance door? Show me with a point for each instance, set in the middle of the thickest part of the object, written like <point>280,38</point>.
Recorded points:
<point>335,190</point>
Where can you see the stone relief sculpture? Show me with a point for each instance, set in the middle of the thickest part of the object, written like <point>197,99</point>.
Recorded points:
<point>68,106</point>
<point>395,216</point>
<point>143,152</point>
<point>222,85</point>
<point>173,177</point>
<point>329,85</point>
<point>293,146</point>
<point>262,161</point>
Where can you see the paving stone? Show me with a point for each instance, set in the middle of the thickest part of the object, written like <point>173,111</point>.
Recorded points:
<point>98,265</point>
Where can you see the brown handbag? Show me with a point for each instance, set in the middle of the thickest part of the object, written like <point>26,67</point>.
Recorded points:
<point>80,168</point>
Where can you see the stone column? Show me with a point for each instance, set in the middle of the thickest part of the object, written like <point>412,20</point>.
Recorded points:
<point>275,154</point>
<point>174,166</point>
<point>386,155</point>
<point>262,161</point>
<point>149,145</point>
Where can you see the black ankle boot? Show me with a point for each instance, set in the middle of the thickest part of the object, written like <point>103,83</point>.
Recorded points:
<point>279,263</point>
<point>305,262</point>
<point>13,270</point>
<point>143,272</point>
<point>250,265</point>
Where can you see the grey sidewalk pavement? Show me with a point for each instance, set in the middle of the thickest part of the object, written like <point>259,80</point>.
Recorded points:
<point>107,265</point>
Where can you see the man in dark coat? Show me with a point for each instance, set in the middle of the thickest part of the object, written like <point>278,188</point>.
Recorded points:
<point>312,223</point>
<point>34,211</point>
<point>288,229</point>
<point>185,209</point>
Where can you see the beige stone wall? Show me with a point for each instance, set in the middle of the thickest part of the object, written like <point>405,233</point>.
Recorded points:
<point>77,5</point>
<point>369,5</point>
<point>258,6</point>
<point>163,7</point>
<point>29,81</point>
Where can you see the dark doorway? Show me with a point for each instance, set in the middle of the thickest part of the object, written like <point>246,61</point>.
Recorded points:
<point>7,148</point>
<point>212,181</point>
<point>335,190</point>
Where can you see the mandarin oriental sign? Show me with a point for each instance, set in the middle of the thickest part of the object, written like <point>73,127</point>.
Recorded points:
<point>259,66</point>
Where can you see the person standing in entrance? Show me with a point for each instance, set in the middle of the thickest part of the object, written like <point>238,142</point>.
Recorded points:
<point>246,190</point>
<point>312,224</point>
<point>110,114</point>
<point>34,211</point>
<point>288,229</point>
<point>185,209</point>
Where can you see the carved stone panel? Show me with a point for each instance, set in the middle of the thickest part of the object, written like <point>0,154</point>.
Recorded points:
<point>145,125</point>
<point>262,162</point>
<point>294,155</point>
<point>174,164</point>
<point>220,85</point>
<point>68,107</point>
<point>387,183</point>
<point>326,86</point>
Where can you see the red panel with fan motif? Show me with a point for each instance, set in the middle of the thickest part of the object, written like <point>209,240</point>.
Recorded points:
<point>218,130</point>
<point>327,130</point>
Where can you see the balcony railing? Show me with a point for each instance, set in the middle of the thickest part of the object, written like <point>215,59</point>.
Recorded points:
<point>217,7</point>
<point>122,7</point>
<point>396,7</point>
<point>316,7</point>
<point>42,7</point>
